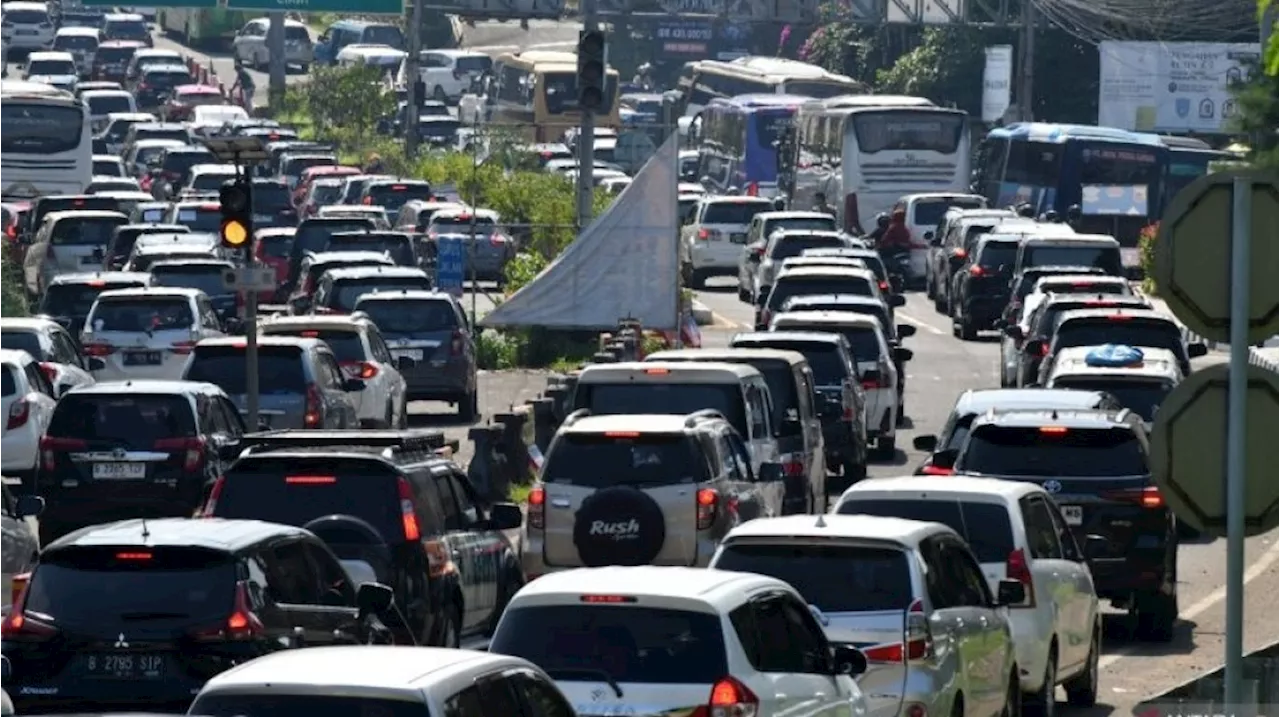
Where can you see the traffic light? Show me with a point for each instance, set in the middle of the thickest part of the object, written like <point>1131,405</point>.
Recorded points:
<point>593,66</point>
<point>237,214</point>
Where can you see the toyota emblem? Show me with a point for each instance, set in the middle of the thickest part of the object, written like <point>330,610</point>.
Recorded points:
<point>119,454</point>
<point>1052,486</point>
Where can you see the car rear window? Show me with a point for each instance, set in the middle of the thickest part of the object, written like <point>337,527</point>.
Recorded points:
<point>1120,330</point>
<point>9,383</point>
<point>739,212</point>
<point>276,246</point>
<point>1083,286</point>
<point>782,389</point>
<point>647,458</point>
<point>1142,396</point>
<point>222,704</point>
<point>313,235</point>
<point>676,398</point>
<point>279,369</point>
<point>985,526</point>
<point>168,78</point>
<point>106,104</point>
<point>113,55</point>
<point>801,224</point>
<point>135,420</point>
<point>393,196</point>
<point>143,588</point>
<point>788,287</point>
<point>410,318</point>
<point>326,193</point>
<point>200,219</point>
<point>929,213</point>
<point>212,182</point>
<point>1106,258</point>
<point>296,490</point>
<point>346,345</point>
<point>183,160</point>
<point>295,166</point>
<point>271,197</point>
<point>824,358</point>
<point>400,249</point>
<point>75,299</point>
<point>85,232</point>
<point>998,255</point>
<point>792,246</point>
<point>25,17</point>
<point>461,224</point>
<point>834,578</point>
<point>629,642</point>
<point>22,341</point>
<point>205,277</point>
<point>863,342</point>
<point>1053,452</point>
<point>347,292</point>
<point>142,314</point>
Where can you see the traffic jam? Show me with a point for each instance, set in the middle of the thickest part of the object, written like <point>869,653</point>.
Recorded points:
<point>702,537</point>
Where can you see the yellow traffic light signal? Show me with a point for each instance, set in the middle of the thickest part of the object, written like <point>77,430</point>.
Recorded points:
<point>234,233</point>
<point>237,214</point>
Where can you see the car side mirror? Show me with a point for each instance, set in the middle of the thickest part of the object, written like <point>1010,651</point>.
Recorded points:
<point>896,301</point>
<point>505,516</point>
<point>1010,592</point>
<point>1013,331</point>
<point>404,363</point>
<point>848,660</point>
<point>927,442</point>
<point>901,355</point>
<point>771,472</point>
<point>1094,546</point>
<point>1033,348</point>
<point>1196,350</point>
<point>353,384</point>
<point>374,598</point>
<point>96,364</point>
<point>28,506</point>
<point>945,458</point>
<point>905,331</point>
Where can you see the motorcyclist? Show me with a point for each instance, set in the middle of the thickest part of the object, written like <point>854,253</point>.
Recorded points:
<point>896,239</point>
<point>1026,210</point>
<point>1051,217</point>
<point>882,224</point>
<point>1073,216</point>
<point>374,164</point>
<point>779,204</point>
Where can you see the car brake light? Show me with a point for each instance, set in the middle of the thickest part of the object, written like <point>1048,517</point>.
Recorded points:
<point>99,350</point>
<point>657,371</point>
<point>20,628</point>
<point>1017,568</point>
<point>1119,317</point>
<point>182,347</point>
<point>241,624</point>
<point>729,697</point>
<point>17,584</point>
<point>407,515</point>
<point>884,285</point>
<point>932,470</point>
<point>959,253</point>
<point>368,201</point>
<point>192,446</point>
<point>704,234</point>
<point>707,500</point>
<point>19,412</point>
<point>917,642</point>
<point>977,270</point>
<point>458,344</point>
<point>215,493</point>
<point>1054,430</point>
<point>50,446</point>
<point>310,480</point>
<point>359,369</point>
<point>134,556</point>
<point>1148,497</point>
<point>537,508</point>
<point>792,466</point>
<point>312,415</point>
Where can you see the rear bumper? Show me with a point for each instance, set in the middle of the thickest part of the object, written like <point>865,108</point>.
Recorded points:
<point>983,310</point>
<point>98,503</point>
<point>448,382</point>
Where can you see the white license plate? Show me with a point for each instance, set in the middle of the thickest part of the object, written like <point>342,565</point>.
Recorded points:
<point>119,471</point>
<point>738,238</point>
<point>1073,514</point>
<point>415,354</point>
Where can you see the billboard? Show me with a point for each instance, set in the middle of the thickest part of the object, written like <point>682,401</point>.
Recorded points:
<point>1170,86</point>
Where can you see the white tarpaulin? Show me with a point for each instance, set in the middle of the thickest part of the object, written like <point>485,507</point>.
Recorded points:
<point>1170,86</point>
<point>623,265</point>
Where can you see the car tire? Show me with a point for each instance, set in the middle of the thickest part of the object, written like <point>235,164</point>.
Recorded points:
<point>744,295</point>
<point>469,407</point>
<point>887,446</point>
<point>449,631</point>
<point>508,585</point>
<point>439,95</point>
<point>939,303</point>
<point>403,421</point>
<point>929,291</point>
<point>1043,702</point>
<point>853,471</point>
<point>1013,697</point>
<point>697,279</point>
<point>962,326</point>
<point>1157,615</point>
<point>1082,690</point>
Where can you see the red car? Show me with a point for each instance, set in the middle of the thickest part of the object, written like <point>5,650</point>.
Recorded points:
<point>272,249</point>
<point>185,97</point>
<point>310,174</point>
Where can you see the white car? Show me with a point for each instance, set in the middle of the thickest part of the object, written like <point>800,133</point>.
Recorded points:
<point>26,26</point>
<point>211,117</point>
<point>362,353</point>
<point>208,178</point>
<point>1017,532</point>
<point>49,343</point>
<point>146,333</point>
<point>43,66</point>
<point>924,213</point>
<point>27,401</point>
<point>677,640</point>
<point>81,42</point>
<point>384,680</point>
<point>109,165</point>
<point>250,44</point>
<point>448,74</point>
<point>99,184</point>
<point>716,235</point>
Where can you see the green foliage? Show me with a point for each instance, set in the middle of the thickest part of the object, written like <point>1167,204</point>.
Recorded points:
<point>496,351</point>
<point>522,268</point>
<point>1147,255</point>
<point>14,297</point>
<point>341,105</point>
<point>1257,116</point>
<point>1271,54</point>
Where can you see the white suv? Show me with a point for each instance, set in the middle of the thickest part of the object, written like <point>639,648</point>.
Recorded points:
<point>1016,532</point>
<point>134,334</point>
<point>28,405</point>
<point>910,594</point>
<point>716,235</point>
<point>448,74</point>
<point>26,26</point>
<point>675,640</point>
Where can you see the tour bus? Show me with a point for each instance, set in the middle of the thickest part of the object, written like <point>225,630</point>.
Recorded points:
<point>534,96</point>
<point>700,82</point>
<point>858,154</point>
<point>46,146</point>
<point>737,141</point>
<point>1114,176</point>
<point>207,26</point>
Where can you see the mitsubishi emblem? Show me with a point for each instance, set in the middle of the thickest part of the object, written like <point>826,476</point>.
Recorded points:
<point>121,642</point>
<point>1052,486</point>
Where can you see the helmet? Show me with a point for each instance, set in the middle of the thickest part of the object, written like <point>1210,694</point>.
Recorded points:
<point>1073,211</point>
<point>1026,210</point>
<point>1050,216</point>
<point>882,220</point>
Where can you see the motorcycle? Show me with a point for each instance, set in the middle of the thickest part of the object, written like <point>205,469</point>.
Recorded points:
<point>898,266</point>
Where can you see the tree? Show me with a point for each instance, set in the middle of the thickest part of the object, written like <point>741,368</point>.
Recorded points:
<point>1270,60</point>
<point>1258,115</point>
<point>344,104</point>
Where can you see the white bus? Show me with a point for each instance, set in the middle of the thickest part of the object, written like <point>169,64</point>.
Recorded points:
<point>46,146</point>
<point>701,82</point>
<point>859,154</point>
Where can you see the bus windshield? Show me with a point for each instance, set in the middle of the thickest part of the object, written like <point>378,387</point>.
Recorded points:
<point>908,131</point>
<point>40,128</point>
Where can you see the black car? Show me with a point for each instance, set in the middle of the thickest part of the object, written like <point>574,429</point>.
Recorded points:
<point>312,236</point>
<point>120,246</point>
<point>272,203</point>
<point>133,449</point>
<point>399,246</point>
<point>981,288</point>
<point>68,297</point>
<point>1096,465</point>
<point>158,82</point>
<point>142,613</point>
<point>392,509</point>
<point>1024,282</point>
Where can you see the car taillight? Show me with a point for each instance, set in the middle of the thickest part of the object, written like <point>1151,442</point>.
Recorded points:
<point>932,470</point>
<point>19,412</point>
<point>214,494</point>
<point>729,698</point>
<point>359,369</point>
<point>884,285</point>
<point>183,347</point>
<point>708,500</point>
<point>408,517</point>
<point>17,584</point>
<point>705,234</point>
<point>1044,349</point>
<point>50,446</point>
<point>192,448</point>
<point>1148,497</point>
<point>917,642</point>
<point>458,344</point>
<point>792,465</point>
<point>959,253</point>
<point>537,510</point>
<point>99,350</point>
<point>439,561</point>
<point>50,371</point>
<point>241,624</point>
<point>753,189</point>
<point>368,201</point>
<point>18,627</point>
<point>976,270</point>
<point>313,412</point>
<point>1017,568</point>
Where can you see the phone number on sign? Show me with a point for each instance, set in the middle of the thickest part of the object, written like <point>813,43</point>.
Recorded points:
<point>684,33</point>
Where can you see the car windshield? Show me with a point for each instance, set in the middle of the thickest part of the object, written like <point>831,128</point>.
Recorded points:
<point>347,293</point>
<point>209,278</point>
<point>792,246</point>
<point>345,345</point>
<point>1104,257</point>
<point>1035,451</point>
<point>279,369</point>
<point>833,578</point>
<point>985,526</point>
<point>142,314</point>
<point>27,341</point>
<point>632,644</point>
<point>735,212</point>
<point>1142,396</point>
<point>863,342</point>
<point>677,398</point>
<point>1131,332</point>
<point>788,287</point>
<point>100,105</point>
<point>824,358</point>
<point>643,460</point>
<point>74,300</point>
<point>85,232</point>
<point>133,421</point>
<point>929,212</point>
<point>200,219</point>
<point>410,317</point>
<point>276,704</point>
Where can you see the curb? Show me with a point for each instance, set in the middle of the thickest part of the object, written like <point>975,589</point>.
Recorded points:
<point>701,313</point>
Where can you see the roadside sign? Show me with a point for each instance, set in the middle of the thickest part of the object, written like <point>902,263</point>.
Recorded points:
<point>1193,256</point>
<point>633,149</point>
<point>1189,448</point>
<point>251,278</point>
<point>363,7</point>
<point>450,264</point>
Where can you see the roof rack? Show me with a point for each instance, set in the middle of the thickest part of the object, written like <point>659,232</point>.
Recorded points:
<point>427,440</point>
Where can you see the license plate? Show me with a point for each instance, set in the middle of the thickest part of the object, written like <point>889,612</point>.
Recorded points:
<point>26,32</point>
<point>263,218</point>
<point>415,354</point>
<point>1073,514</point>
<point>125,666</point>
<point>738,238</point>
<point>119,471</point>
<point>143,358</point>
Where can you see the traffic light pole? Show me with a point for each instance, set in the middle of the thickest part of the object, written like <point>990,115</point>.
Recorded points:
<point>250,318</point>
<point>587,130</point>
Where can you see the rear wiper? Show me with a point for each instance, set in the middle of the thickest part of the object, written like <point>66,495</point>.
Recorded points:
<point>587,672</point>
<point>131,616</point>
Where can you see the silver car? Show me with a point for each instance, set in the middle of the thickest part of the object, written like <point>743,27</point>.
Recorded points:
<point>148,332</point>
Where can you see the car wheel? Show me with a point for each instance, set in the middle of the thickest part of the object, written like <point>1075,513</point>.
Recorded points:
<point>1013,698</point>
<point>697,279</point>
<point>961,325</point>
<point>1157,614</point>
<point>929,291</point>
<point>1043,702</point>
<point>939,302</point>
<point>887,446</point>
<point>854,471</point>
<point>1082,690</point>
<point>469,407</point>
<point>508,586</point>
<point>403,420</point>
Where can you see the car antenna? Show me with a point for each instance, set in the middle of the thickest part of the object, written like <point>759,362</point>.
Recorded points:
<point>1054,414</point>
<point>145,533</point>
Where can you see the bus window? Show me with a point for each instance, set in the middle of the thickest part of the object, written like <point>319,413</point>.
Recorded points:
<point>1038,164</point>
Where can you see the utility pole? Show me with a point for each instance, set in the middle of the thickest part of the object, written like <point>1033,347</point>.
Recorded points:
<point>276,61</point>
<point>412,79</point>
<point>1027,62</point>
<point>587,129</point>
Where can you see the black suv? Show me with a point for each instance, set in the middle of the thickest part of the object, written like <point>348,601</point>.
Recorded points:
<point>981,286</point>
<point>144,612</point>
<point>838,396</point>
<point>313,235</point>
<point>1024,282</point>
<point>1096,465</point>
<point>398,245</point>
<point>393,510</point>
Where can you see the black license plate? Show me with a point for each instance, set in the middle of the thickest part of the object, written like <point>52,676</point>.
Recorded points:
<point>125,666</point>
<point>143,358</point>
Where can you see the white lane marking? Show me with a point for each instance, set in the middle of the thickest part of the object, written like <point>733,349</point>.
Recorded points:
<point>920,324</point>
<point>1260,566</point>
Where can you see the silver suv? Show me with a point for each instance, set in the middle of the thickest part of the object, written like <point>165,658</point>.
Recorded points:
<point>643,490</point>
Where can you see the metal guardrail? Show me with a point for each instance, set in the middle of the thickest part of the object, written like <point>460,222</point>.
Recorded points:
<point>1203,695</point>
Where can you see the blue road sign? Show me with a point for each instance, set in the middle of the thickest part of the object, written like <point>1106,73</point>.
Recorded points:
<point>450,264</point>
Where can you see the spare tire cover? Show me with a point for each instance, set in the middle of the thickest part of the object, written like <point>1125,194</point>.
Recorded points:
<point>619,526</point>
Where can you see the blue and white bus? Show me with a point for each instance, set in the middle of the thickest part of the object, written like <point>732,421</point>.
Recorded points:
<point>1116,177</point>
<point>1189,160</point>
<point>737,141</point>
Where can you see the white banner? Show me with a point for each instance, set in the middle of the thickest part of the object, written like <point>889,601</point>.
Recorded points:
<point>997,77</point>
<point>1170,87</point>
